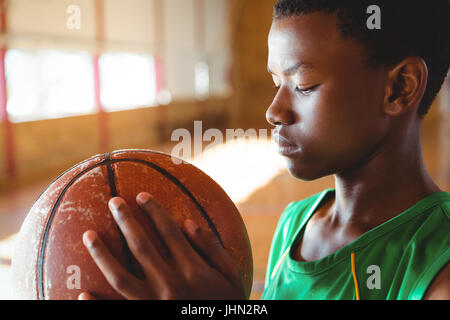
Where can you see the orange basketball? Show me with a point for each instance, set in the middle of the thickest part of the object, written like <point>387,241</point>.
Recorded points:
<point>49,251</point>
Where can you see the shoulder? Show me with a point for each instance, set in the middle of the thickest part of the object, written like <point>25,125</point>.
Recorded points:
<point>439,288</point>
<point>429,251</point>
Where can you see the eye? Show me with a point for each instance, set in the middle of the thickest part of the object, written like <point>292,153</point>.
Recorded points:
<point>306,91</point>
<point>276,87</point>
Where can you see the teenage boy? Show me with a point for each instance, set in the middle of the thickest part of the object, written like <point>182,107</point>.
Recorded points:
<point>349,102</point>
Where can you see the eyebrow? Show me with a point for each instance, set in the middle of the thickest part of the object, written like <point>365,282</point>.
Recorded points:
<point>292,69</point>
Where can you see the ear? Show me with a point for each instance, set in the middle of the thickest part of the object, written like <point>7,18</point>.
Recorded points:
<point>406,86</point>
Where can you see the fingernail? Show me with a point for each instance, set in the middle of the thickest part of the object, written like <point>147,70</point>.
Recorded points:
<point>191,225</point>
<point>114,205</point>
<point>89,238</point>
<point>144,197</point>
<point>83,296</point>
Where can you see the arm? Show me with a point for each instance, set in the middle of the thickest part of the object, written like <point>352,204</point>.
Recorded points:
<point>200,267</point>
<point>440,287</point>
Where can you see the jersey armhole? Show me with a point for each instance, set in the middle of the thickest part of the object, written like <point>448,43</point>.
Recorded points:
<point>422,285</point>
<point>283,248</point>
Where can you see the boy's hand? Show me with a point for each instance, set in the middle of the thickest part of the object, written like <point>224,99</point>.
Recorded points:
<point>187,276</point>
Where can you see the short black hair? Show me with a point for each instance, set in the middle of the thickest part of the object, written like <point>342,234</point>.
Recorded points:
<point>408,28</point>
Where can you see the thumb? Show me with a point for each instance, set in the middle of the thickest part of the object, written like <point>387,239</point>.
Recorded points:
<point>212,251</point>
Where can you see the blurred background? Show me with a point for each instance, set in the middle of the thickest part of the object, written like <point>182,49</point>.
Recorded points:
<point>82,77</point>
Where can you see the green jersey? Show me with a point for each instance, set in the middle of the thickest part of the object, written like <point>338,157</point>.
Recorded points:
<point>395,260</point>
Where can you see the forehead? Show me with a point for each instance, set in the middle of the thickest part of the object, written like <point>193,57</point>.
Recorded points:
<point>312,38</point>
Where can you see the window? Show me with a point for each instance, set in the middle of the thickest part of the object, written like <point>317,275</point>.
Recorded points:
<point>127,81</point>
<point>202,80</point>
<point>45,84</point>
<point>48,84</point>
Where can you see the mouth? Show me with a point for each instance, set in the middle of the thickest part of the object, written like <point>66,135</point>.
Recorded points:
<point>285,147</point>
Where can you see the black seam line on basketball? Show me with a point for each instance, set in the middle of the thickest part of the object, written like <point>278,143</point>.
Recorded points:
<point>114,193</point>
<point>110,175</point>
<point>48,225</point>
<point>118,152</point>
<point>175,180</point>
<point>54,180</point>
<point>183,188</point>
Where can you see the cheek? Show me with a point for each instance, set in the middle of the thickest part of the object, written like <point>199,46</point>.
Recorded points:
<point>339,124</point>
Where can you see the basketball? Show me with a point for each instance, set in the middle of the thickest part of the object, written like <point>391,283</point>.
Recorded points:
<point>50,262</point>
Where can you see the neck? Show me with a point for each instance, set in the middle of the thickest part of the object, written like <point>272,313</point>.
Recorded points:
<point>389,181</point>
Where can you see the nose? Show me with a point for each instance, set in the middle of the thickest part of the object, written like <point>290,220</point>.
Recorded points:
<point>280,111</point>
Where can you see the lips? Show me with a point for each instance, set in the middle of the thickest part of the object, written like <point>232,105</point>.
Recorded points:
<point>282,140</point>
<point>285,147</point>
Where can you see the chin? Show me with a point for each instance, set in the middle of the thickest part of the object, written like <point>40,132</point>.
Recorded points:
<point>305,172</point>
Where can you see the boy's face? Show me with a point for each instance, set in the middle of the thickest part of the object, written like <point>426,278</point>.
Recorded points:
<point>339,122</point>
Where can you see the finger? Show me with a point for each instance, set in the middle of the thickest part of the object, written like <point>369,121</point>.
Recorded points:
<point>178,246</point>
<point>85,296</point>
<point>120,279</point>
<point>210,248</point>
<point>138,241</point>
